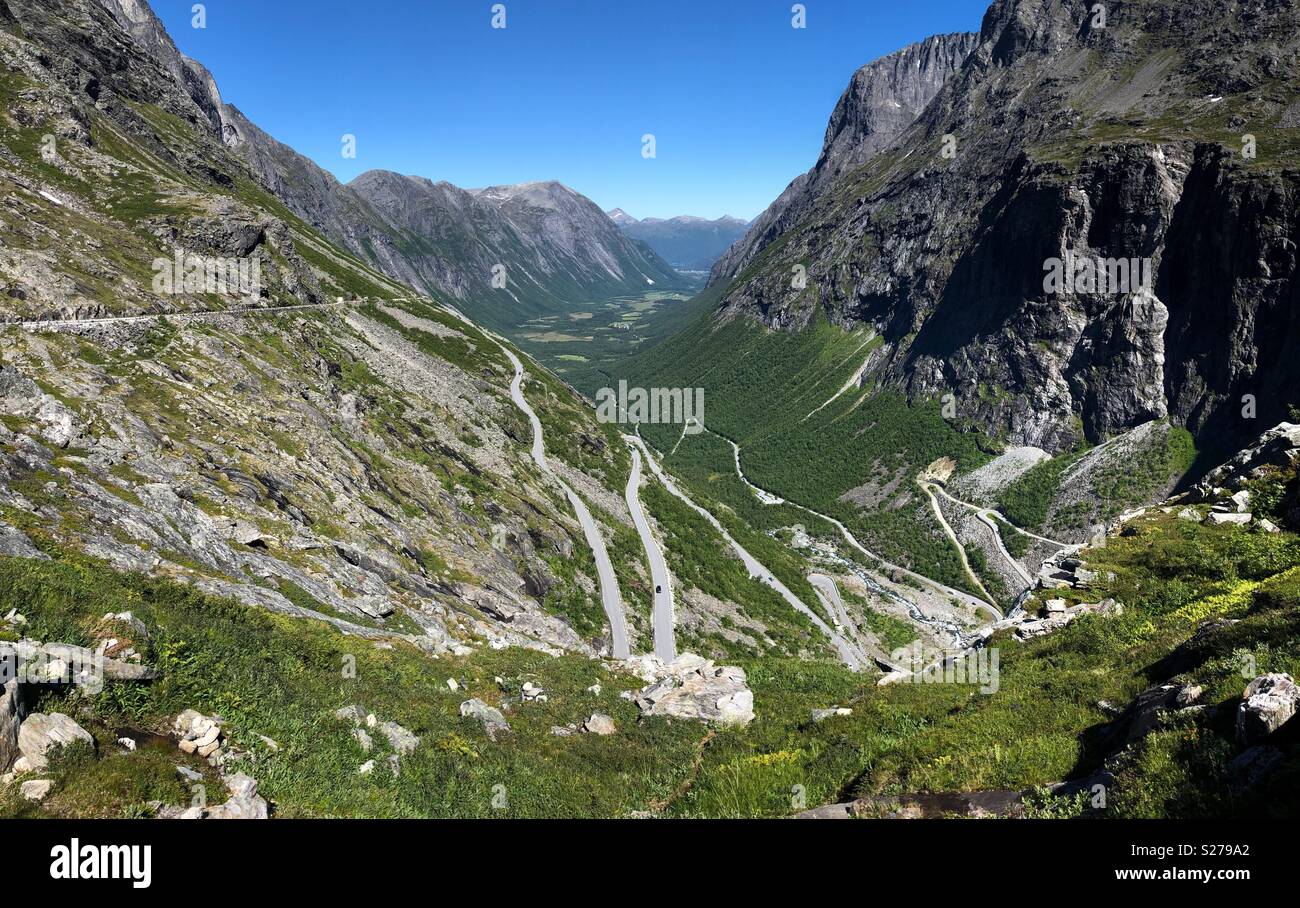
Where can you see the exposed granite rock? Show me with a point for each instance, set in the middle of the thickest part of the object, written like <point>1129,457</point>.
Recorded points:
<point>492,719</point>
<point>1268,703</point>
<point>15,544</point>
<point>694,688</point>
<point>40,734</point>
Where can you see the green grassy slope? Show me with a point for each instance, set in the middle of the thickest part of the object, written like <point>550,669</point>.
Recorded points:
<point>282,678</point>
<point>761,389</point>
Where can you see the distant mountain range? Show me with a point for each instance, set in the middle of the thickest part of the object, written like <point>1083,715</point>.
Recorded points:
<point>687,243</point>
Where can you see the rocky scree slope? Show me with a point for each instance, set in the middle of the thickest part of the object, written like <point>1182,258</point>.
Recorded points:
<point>1122,141</point>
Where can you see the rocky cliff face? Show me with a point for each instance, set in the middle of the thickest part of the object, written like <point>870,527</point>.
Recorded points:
<point>1063,139</point>
<point>882,100</point>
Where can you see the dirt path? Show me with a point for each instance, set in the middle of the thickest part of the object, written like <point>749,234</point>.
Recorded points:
<point>179,317</point>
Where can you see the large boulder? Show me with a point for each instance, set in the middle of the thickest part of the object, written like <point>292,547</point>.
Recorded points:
<point>40,734</point>
<point>695,688</point>
<point>1268,703</point>
<point>15,544</point>
<point>491,718</point>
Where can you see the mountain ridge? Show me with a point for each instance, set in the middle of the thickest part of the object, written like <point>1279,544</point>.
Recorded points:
<point>882,99</point>
<point>541,278</point>
<point>1068,138</point>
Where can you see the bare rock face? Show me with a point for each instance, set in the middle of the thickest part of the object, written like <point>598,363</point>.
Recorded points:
<point>882,99</point>
<point>694,688</point>
<point>1268,703</point>
<point>20,395</point>
<point>939,236</point>
<point>15,544</point>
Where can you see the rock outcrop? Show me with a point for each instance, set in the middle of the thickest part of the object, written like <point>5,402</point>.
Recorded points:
<point>1276,449</point>
<point>1268,703</point>
<point>694,688</point>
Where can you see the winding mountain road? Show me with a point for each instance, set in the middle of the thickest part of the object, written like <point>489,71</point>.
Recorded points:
<point>768,498</point>
<point>850,654</point>
<point>952,537</point>
<point>181,317</point>
<point>829,592</point>
<point>663,618</point>
<point>989,514</point>
<point>610,597</point>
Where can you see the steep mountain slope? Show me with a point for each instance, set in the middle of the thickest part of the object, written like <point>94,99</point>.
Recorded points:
<point>358,463</point>
<point>198,385</point>
<point>882,99</point>
<point>558,249</point>
<point>688,243</point>
<point>1137,140</point>
<point>321,517</point>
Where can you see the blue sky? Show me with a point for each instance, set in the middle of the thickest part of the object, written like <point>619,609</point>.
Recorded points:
<point>736,98</point>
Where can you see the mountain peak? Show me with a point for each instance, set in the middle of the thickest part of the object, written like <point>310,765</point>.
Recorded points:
<point>882,99</point>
